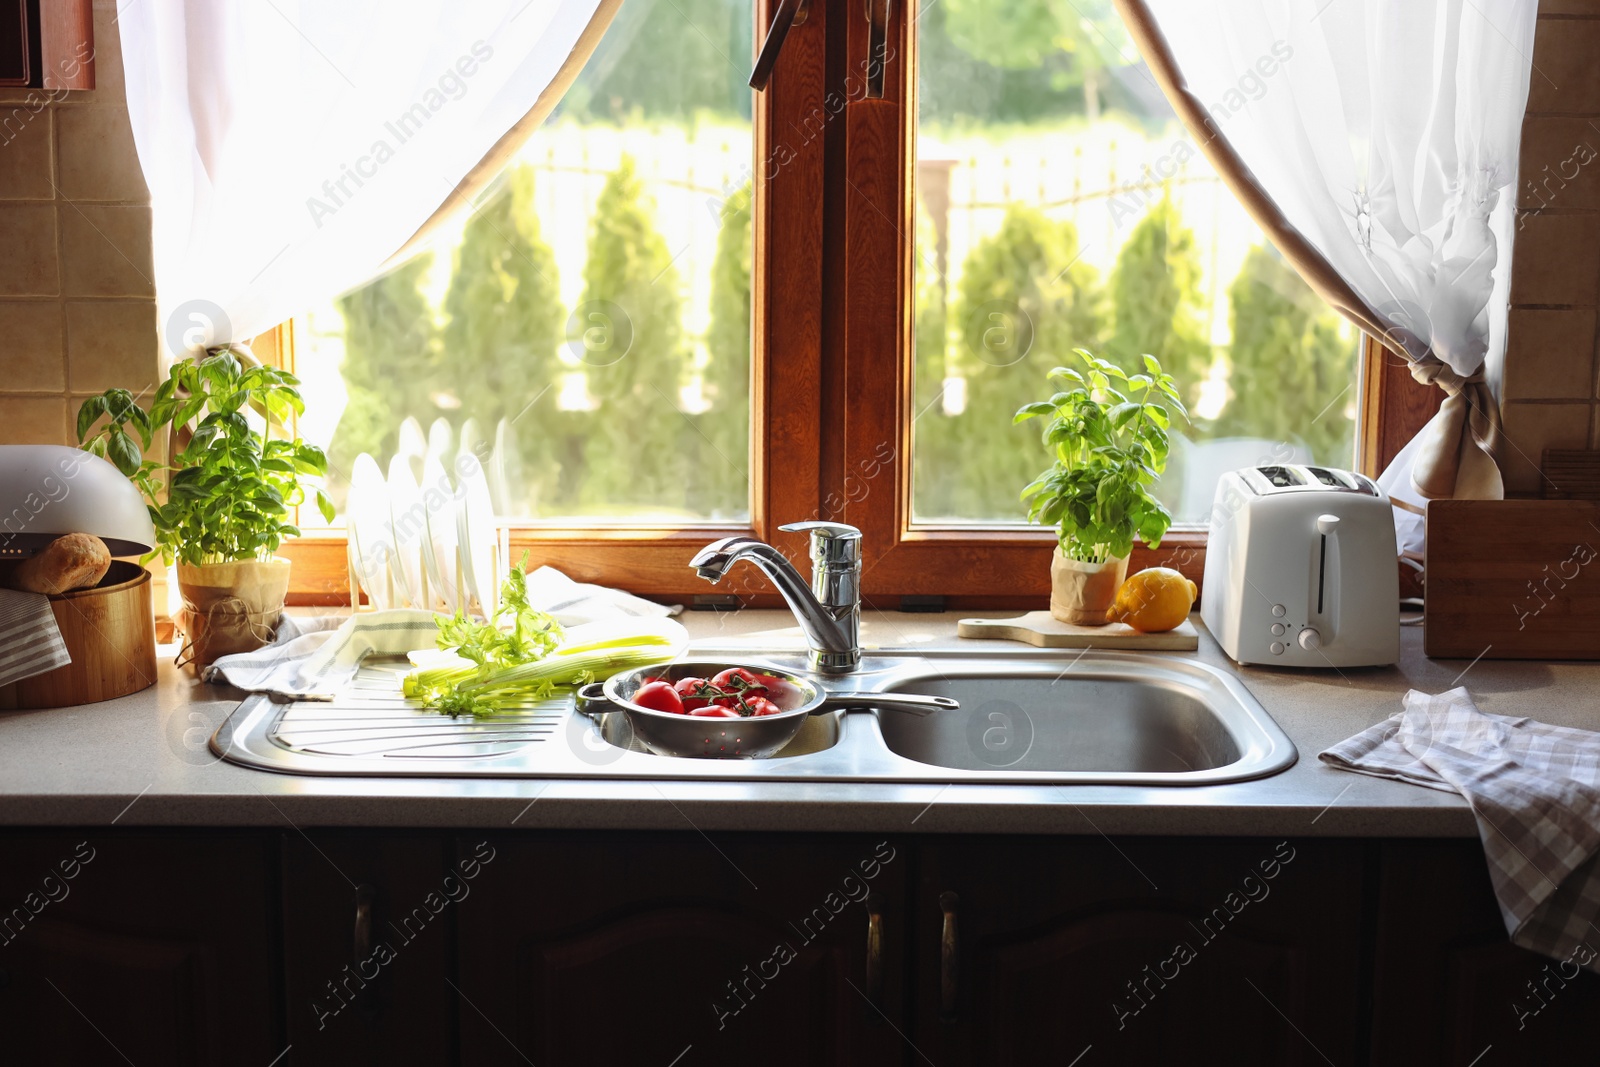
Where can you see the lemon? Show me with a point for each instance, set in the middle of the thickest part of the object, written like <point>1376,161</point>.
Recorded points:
<point>1153,600</point>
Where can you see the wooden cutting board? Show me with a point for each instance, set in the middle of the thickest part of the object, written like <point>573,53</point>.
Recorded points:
<point>1513,579</point>
<point>1039,629</point>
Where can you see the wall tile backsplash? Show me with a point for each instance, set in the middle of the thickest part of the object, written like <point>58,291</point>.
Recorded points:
<point>77,300</point>
<point>1551,400</point>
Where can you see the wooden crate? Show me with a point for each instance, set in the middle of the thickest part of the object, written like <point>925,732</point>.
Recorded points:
<point>1513,579</point>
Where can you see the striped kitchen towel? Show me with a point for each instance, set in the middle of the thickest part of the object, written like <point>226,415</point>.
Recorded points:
<point>30,640</point>
<point>1535,791</point>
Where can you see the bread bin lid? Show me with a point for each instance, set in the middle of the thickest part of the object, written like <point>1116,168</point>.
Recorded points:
<point>50,490</point>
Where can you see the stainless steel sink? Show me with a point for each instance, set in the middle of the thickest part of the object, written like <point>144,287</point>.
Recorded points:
<point>1026,721</point>
<point>1075,717</point>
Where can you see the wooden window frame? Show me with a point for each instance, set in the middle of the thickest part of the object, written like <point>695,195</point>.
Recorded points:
<point>832,362</point>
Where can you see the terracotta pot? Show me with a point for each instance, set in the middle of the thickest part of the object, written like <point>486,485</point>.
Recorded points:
<point>1080,593</point>
<point>230,607</point>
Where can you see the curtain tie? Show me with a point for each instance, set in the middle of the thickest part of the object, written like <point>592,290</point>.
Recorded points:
<point>1456,458</point>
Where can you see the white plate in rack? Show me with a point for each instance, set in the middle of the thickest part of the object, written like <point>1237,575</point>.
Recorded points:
<point>439,548</point>
<point>408,531</point>
<point>479,547</point>
<point>367,525</point>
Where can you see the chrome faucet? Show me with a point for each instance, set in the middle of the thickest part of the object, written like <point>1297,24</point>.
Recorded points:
<point>829,611</point>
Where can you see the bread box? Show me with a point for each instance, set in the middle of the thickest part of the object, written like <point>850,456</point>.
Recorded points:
<point>50,490</point>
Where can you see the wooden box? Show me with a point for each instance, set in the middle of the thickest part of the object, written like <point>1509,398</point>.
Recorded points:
<point>1513,579</point>
<point>110,635</point>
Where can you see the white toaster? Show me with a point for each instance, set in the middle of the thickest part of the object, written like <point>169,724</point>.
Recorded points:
<point>1300,569</point>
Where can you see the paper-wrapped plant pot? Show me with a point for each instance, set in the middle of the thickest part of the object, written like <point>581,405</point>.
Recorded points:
<point>1081,593</point>
<point>230,607</point>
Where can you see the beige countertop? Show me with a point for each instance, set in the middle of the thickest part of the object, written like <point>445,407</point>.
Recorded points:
<point>140,761</point>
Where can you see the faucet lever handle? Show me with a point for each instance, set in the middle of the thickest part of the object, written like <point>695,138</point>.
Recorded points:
<point>832,543</point>
<point>819,529</point>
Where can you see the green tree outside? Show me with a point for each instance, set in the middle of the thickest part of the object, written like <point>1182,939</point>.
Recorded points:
<point>721,483</point>
<point>935,464</point>
<point>504,323</point>
<point>667,59</point>
<point>1025,301</point>
<point>1078,39</point>
<point>1292,362</point>
<point>391,365</point>
<point>1156,301</point>
<point>635,447</point>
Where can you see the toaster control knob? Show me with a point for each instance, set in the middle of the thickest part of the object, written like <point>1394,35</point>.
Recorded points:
<point>1309,638</point>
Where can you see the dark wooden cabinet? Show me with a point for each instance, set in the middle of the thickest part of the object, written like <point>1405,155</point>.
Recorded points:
<point>1030,951</point>
<point>369,947</point>
<point>1450,986</point>
<point>380,947</point>
<point>149,948</point>
<point>716,949</point>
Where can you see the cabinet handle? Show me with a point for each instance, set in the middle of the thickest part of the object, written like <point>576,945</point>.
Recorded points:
<point>874,988</point>
<point>362,941</point>
<point>949,956</point>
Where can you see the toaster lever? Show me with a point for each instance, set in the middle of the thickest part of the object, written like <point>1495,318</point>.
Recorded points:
<point>1326,524</point>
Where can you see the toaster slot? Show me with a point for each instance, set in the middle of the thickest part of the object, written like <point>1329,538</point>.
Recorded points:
<point>1322,570</point>
<point>1281,477</point>
<point>1329,477</point>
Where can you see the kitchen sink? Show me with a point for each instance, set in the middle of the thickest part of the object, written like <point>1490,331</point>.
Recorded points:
<point>1037,721</point>
<point>1078,717</point>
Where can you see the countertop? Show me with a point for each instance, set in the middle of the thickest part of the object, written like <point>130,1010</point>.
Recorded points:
<point>138,761</point>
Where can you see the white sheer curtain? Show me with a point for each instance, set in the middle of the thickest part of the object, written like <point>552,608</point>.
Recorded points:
<point>292,146</point>
<point>1377,141</point>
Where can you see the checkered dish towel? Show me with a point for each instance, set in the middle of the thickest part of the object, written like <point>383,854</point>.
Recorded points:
<point>318,655</point>
<point>1535,790</point>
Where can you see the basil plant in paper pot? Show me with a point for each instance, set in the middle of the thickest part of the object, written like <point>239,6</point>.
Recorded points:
<point>1107,432</point>
<point>221,501</point>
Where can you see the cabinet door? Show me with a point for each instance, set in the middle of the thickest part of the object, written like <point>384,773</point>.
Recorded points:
<point>1450,985</point>
<point>1037,950</point>
<point>367,946</point>
<point>138,947</point>
<point>716,949</point>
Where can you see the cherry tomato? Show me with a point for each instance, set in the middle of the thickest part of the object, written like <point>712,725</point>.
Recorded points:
<point>738,680</point>
<point>714,711</point>
<point>695,692</point>
<point>659,696</point>
<point>761,706</point>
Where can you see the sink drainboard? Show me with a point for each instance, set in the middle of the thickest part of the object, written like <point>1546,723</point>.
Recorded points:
<point>1100,717</point>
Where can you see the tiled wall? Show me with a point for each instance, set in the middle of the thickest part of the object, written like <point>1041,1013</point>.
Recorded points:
<point>1552,394</point>
<point>77,303</point>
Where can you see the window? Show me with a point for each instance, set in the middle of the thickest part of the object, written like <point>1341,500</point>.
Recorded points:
<point>1061,204</point>
<point>827,306</point>
<point>585,328</point>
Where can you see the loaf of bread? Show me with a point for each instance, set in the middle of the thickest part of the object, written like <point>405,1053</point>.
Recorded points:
<point>75,561</point>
